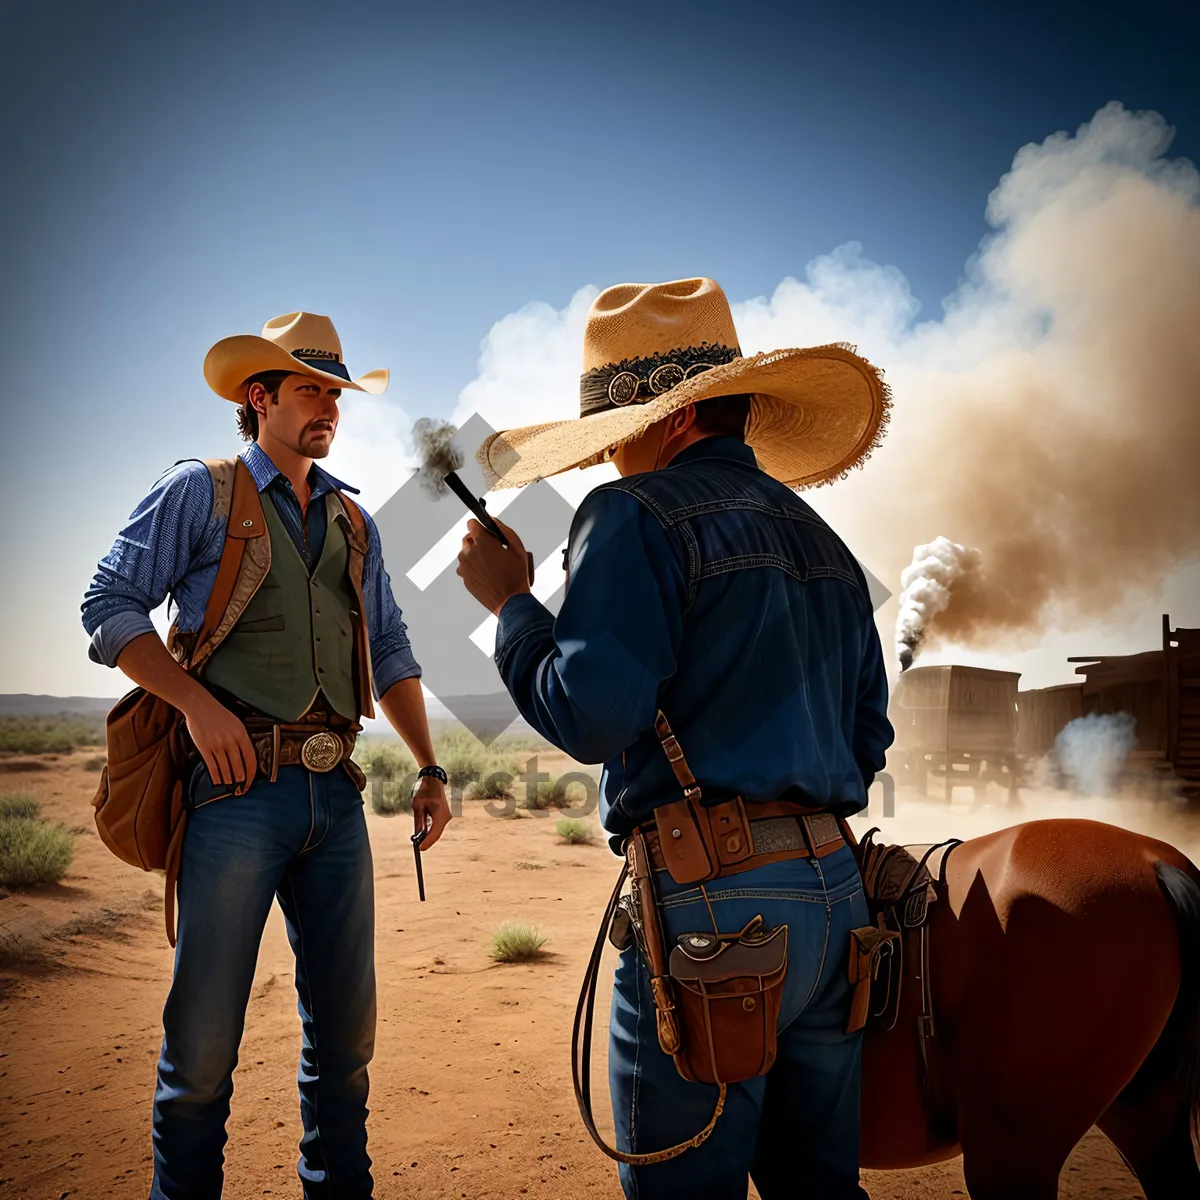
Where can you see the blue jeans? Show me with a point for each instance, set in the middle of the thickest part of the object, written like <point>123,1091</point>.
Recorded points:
<point>794,1131</point>
<point>302,839</point>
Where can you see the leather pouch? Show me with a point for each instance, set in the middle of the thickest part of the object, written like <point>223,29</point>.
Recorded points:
<point>727,996</point>
<point>871,951</point>
<point>687,851</point>
<point>730,831</point>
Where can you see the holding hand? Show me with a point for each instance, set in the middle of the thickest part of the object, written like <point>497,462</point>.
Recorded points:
<point>491,573</point>
<point>430,808</point>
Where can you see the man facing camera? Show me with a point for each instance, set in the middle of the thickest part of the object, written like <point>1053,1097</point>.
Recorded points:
<point>286,628</point>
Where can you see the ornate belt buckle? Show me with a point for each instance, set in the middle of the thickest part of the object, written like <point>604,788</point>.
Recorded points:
<point>321,752</point>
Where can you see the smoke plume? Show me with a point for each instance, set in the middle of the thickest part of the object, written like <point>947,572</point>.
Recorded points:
<point>926,585</point>
<point>1092,751</point>
<point>437,454</point>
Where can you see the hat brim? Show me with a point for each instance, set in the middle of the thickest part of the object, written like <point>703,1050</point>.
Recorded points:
<point>233,360</point>
<point>815,414</point>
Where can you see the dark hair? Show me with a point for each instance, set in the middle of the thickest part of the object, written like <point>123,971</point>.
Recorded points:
<point>247,417</point>
<point>723,414</point>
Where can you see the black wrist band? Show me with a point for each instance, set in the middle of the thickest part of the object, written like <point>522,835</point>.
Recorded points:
<point>433,769</point>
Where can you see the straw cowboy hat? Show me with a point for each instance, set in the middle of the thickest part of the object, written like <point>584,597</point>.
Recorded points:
<point>649,349</point>
<point>304,343</point>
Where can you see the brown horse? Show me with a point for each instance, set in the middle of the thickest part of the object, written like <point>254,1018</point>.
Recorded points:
<point>1065,976</point>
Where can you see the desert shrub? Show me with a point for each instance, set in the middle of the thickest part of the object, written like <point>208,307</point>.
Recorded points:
<point>517,942</point>
<point>95,764</point>
<point>575,833</point>
<point>33,852</point>
<point>389,769</point>
<point>19,804</point>
<point>49,735</point>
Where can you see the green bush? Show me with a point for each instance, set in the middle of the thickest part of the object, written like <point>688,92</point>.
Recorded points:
<point>574,832</point>
<point>19,804</point>
<point>517,942</point>
<point>49,735</point>
<point>33,852</point>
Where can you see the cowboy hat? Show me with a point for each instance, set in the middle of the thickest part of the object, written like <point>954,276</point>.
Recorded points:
<point>301,342</point>
<point>649,349</point>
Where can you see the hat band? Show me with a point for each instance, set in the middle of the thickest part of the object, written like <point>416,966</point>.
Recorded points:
<point>330,366</point>
<point>637,380</point>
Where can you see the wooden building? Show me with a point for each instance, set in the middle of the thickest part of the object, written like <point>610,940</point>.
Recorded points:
<point>955,722</point>
<point>1160,689</point>
<point>1042,714</point>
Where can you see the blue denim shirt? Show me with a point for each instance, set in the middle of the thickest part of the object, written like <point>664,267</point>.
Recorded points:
<point>172,547</point>
<point>711,591</point>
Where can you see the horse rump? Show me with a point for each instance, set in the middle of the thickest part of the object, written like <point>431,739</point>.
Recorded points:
<point>1173,1065</point>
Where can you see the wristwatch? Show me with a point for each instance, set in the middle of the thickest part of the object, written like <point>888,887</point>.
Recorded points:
<point>433,769</point>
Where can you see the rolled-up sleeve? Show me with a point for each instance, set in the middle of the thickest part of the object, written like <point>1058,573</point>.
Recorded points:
<point>588,680</point>
<point>391,654</point>
<point>150,555</point>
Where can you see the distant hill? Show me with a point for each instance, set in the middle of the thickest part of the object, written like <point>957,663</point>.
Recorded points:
<point>25,705</point>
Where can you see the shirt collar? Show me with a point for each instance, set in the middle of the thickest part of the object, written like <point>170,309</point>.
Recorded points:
<point>719,446</point>
<point>264,472</point>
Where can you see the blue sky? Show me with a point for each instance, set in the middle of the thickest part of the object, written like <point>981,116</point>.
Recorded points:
<point>177,173</point>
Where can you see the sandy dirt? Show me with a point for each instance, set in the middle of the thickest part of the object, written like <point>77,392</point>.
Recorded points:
<point>471,1093</point>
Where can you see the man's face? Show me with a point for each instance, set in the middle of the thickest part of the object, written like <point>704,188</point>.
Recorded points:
<point>306,416</point>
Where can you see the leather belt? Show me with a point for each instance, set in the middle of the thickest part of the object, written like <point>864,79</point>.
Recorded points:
<point>783,832</point>
<point>313,744</point>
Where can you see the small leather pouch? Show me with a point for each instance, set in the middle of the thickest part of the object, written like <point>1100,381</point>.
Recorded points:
<point>730,831</point>
<point>871,950</point>
<point>684,842</point>
<point>727,995</point>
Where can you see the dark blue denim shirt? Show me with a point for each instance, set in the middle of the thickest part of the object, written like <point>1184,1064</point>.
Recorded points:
<point>711,591</point>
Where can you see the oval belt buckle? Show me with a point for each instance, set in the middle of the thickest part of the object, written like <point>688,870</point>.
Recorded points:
<point>321,752</point>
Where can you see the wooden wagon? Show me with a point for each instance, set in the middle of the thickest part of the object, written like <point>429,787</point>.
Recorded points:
<point>955,723</point>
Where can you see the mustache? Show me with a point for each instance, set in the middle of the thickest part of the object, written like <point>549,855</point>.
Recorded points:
<point>311,427</point>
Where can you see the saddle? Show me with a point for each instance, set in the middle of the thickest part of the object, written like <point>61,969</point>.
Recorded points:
<point>900,886</point>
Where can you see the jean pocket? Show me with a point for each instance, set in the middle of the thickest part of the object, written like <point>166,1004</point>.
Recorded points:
<point>201,790</point>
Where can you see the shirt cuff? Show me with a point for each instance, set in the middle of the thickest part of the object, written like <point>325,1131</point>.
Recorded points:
<point>393,667</point>
<point>115,633</point>
<point>521,614</point>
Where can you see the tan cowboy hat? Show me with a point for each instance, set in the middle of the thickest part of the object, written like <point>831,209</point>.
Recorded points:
<point>649,349</point>
<point>301,342</point>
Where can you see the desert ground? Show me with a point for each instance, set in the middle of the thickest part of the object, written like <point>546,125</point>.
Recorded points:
<point>471,1093</point>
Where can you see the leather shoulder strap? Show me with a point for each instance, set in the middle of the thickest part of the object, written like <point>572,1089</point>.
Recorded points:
<point>222,472</point>
<point>234,486</point>
<point>356,542</point>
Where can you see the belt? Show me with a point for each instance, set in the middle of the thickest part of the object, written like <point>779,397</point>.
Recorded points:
<point>783,831</point>
<point>316,744</point>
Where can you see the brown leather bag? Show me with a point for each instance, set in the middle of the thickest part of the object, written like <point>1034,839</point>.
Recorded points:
<point>139,805</point>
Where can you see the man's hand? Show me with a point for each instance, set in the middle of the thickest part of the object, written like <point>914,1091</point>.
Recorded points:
<point>431,808</point>
<point>491,573</point>
<point>222,741</point>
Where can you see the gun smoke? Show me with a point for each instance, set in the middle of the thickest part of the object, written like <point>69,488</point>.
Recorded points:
<point>437,454</point>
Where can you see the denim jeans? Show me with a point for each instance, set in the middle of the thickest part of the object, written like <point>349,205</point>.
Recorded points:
<point>794,1131</point>
<point>302,839</point>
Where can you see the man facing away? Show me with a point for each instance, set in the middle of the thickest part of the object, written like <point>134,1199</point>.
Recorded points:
<point>702,589</point>
<point>274,801</point>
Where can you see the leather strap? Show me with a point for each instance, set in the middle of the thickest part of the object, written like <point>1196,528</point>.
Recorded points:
<point>245,521</point>
<point>581,1055</point>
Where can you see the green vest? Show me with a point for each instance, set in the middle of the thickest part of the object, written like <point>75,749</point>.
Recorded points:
<point>296,635</point>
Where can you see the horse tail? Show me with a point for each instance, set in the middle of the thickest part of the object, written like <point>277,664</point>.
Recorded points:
<point>1181,1037</point>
